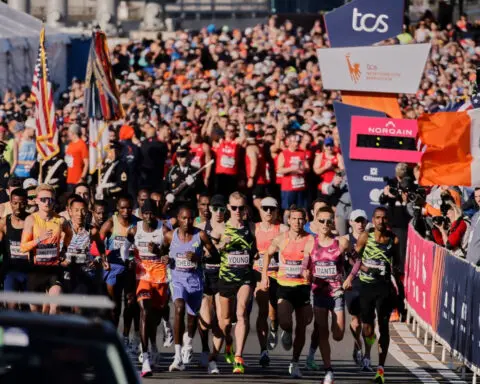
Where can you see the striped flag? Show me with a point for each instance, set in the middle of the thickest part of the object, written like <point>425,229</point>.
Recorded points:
<point>42,93</point>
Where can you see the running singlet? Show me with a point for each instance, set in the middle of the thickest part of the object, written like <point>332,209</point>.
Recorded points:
<point>326,265</point>
<point>210,269</point>
<point>261,173</point>
<point>264,239</point>
<point>198,155</point>
<point>227,158</point>
<point>347,267</point>
<point>181,268</point>
<point>149,267</point>
<point>78,249</point>
<point>293,182</point>
<point>291,260</point>
<point>377,256</point>
<point>16,259</point>
<point>115,242</point>
<point>327,176</point>
<point>236,259</point>
<point>47,252</point>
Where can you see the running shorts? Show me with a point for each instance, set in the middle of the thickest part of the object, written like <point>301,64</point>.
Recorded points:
<point>157,292</point>
<point>210,287</point>
<point>336,304</point>
<point>378,296</point>
<point>298,296</point>
<point>352,298</point>
<point>192,297</point>
<point>229,289</point>
<point>15,281</point>
<point>42,281</point>
<point>272,290</point>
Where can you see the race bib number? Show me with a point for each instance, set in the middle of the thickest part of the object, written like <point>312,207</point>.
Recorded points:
<point>143,252</point>
<point>75,255</point>
<point>241,260</point>
<point>183,264</point>
<point>212,267</point>
<point>227,161</point>
<point>293,269</point>
<point>69,161</point>
<point>196,162</point>
<point>380,265</point>
<point>272,266</point>
<point>325,270</point>
<point>298,182</point>
<point>46,253</point>
<point>15,251</point>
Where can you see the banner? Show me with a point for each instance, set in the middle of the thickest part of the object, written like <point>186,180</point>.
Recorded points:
<point>387,68</point>
<point>475,322</point>
<point>419,274</point>
<point>383,139</point>
<point>365,178</point>
<point>364,22</point>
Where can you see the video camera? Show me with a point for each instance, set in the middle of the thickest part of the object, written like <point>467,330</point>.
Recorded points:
<point>443,220</point>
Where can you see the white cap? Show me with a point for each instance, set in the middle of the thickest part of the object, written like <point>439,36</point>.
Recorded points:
<point>29,183</point>
<point>358,213</point>
<point>269,202</point>
<point>31,123</point>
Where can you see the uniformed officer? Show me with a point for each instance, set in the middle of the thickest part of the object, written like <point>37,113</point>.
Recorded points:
<point>54,172</point>
<point>4,173</point>
<point>114,179</point>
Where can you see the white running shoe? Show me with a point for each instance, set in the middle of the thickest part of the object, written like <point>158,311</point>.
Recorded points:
<point>286,340</point>
<point>146,368</point>
<point>329,378</point>
<point>212,368</point>
<point>167,335</point>
<point>177,365</point>
<point>187,354</point>
<point>272,339</point>
<point>294,371</point>
<point>204,359</point>
<point>366,367</point>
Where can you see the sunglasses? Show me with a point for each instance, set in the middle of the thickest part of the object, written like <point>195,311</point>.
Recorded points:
<point>218,209</point>
<point>268,209</point>
<point>46,200</point>
<point>32,197</point>
<point>237,207</point>
<point>325,221</point>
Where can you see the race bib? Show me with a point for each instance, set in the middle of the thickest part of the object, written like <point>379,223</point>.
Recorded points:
<point>76,255</point>
<point>143,252</point>
<point>183,264</point>
<point>69,161</point>
<point>196,162</point>
<point>298,182</point>
<point>293,269</point>
<point>227,161</point>
<point>272,266</point>
<point>46,253</point>
<point>381,265</point>
<point>212,267</point>
<point>325,270</point>
<point>241,260</point>
<point>15,251</point>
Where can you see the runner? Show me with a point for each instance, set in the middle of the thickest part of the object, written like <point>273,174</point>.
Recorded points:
<point>236,279</point>
<point>42,233</point>
<point>324,267</point>
<point>358,223</point>
<point>293,289</point>
<point>265,232</point>
<point>152,288</point>
<point>186,251</point>
<point>379,250</point>
<point>210,308</point>
<point>16,263</point>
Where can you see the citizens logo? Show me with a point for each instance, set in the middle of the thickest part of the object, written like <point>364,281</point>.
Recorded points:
<point>368,22</point>
<point>354,69</point>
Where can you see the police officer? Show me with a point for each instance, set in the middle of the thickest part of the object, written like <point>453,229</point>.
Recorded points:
<point>114,179</point>
<point>182,183</point>
<point>54,172</point>
<point>4,173</point>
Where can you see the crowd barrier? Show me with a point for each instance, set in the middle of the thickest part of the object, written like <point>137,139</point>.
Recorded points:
<point>443,298</point>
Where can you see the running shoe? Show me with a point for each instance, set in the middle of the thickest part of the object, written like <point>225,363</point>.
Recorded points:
<point>229,355</point>
<point>366,367</point>
<point>395,316</point>
<point>239,365</point>
<point>379,376</point>
<point>167,335</point>
<point>204,359</point>
<point>287,340</point>
<point>264,359</point>
<point>146,368</point>
<point>187,354</point>
<point>329,378</point>
<point>212,368</point>
<point>272,339</point>
<point>140,357</point>
<point>294,371</point>
<point>177,365</point>
<point>357,356</point>
<point>311,365</point>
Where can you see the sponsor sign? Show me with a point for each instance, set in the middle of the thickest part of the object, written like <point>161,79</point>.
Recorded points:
<point>365,178</point>
<point>475,322</point>
<point>383,139</point>
<point>388,68</point>
<point>364,22</point>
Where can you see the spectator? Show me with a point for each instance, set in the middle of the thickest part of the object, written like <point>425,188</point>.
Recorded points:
<point>473,251</point>
<point>76,157</point>
<point>24,151</point>
<point>452,234</point>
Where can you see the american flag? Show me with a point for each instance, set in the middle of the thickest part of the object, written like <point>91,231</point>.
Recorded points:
<point>42,93</point>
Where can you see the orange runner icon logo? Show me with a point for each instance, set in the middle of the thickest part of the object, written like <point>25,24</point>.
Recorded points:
<point>354,69</point>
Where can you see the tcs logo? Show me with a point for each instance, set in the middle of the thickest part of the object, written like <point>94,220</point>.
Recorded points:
<point>368,22</point>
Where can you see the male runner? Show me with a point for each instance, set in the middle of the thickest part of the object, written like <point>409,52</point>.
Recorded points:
<point>324,268</point>
<point>293,289</point>
<point>210,308</point>
<point>186,251</point>
<point>236,279</point>
<point>379,250</point>
<point>265,232</point>
<point>152,288</point>
<point>16,263</point>
<point>42,233</point>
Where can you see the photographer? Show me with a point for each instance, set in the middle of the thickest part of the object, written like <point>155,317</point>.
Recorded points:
<point>450,228</point>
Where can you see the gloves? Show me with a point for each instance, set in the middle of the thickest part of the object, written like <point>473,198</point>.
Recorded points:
<point>170,198</point>
<point>189,180</point>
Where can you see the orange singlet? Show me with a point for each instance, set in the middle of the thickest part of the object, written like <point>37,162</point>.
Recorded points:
<point>291,259</point>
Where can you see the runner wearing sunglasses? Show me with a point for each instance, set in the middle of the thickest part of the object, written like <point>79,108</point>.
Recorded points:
<point>323,266</point>
<point>265,232</point>
<point>210,309</point>
<point>236,279</point>
<point>293,288</point>
<point>41,236</point>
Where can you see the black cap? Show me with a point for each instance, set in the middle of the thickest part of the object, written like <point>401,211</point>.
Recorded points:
<point>218,201</point>
<point>149,206</point>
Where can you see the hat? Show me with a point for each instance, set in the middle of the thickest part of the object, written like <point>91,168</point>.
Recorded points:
<point>148,206</point>
<point>30,183</point>
<point>181,149</point>
<point>218,201</point>
<point>30,123</point>
<point>126,132</point>
<point>357,214</point>
<point>269,202</point>
<point>328,141</point>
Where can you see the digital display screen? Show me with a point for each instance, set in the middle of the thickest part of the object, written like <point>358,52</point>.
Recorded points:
<point>386,142</point>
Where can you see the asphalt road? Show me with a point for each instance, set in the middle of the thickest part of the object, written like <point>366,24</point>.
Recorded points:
<point>407,363</point>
